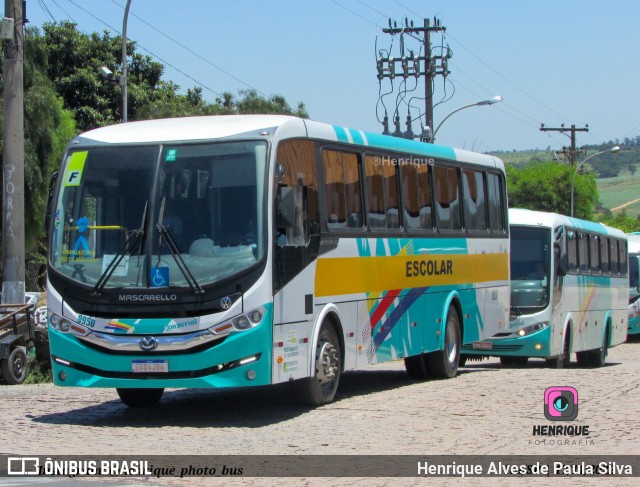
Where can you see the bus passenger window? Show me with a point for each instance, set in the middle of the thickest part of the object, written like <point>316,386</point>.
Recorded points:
<point>342,189</point>
<point>475,217</point>
<point>447,199</point>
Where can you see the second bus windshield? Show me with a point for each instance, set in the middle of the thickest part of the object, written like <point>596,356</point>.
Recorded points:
<point>530,267</point>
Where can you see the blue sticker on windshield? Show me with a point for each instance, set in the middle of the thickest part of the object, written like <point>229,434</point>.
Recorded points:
<point>81,246</point>
<point>159,276</point>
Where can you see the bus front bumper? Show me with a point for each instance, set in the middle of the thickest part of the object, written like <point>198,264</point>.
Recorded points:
<point>242,360</point>
<point>537,344</point>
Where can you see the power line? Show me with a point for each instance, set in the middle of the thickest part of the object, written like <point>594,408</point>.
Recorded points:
<point>192,51</point>
<point>146,50</point>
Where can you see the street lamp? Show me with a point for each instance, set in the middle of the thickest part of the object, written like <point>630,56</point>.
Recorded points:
<point>490,101</point>
<point>123,76</point>
<point>613,150</point>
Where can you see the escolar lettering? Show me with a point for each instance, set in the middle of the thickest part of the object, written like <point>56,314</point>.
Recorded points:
<point>415,268</point>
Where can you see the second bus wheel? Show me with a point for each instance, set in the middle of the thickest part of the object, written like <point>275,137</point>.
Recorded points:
<point>322,386</point>
<point>140,398</point>
<point>443,364</point>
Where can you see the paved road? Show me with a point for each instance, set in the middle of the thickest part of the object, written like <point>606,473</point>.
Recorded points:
<point>486,410</point>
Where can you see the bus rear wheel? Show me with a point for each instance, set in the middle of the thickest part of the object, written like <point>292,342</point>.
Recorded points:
<point>443,364</point>
<point>322,386</point>
<point>140,398</point>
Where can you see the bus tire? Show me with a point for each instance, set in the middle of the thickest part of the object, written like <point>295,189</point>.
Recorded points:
<point>322,386</point>
<point>443,364</point>
<point>416,367</point>
<point>140,398</point>
<point>561,361</point>
<point>14,368</point>
<point>509,361</point>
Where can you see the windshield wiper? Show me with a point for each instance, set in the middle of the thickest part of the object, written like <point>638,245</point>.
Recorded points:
<point>163,233</point>
<point>134,240</point>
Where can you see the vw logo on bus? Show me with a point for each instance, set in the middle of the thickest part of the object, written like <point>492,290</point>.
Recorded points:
<point>226,302</point>
<point>148,343</point>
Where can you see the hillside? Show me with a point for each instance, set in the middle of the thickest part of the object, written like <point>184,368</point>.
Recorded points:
<point>618,179</point>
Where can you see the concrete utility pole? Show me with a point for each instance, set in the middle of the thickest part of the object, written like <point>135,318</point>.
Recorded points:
<point>13,253</point>
<point>570,153</point>
<point>415,65</point>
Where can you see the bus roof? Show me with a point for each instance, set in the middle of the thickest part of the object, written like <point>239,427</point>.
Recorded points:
<point>187,129</point>
<point>519,216</point>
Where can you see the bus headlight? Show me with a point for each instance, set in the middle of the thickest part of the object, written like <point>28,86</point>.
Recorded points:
<point>528,330</point>
<point>242,322</point>
<point>65,325</point>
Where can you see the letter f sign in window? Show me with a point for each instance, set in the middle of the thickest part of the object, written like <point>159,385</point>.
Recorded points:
<point>73,174</point>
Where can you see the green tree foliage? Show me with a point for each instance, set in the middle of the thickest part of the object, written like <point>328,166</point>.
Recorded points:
<point>622,221</point>
<point>75,60</point>
<point>546,186</point>
<point>47,129</point>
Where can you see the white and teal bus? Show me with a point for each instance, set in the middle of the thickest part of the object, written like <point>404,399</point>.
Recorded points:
<point>236,251</point>
<point>569,292</point>
<point>634,289</point>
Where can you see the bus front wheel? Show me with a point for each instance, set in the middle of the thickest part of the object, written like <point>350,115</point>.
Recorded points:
<point>140,398</point>
<point>321,388</point>
<point>443,364</point>
<point>562,361</point>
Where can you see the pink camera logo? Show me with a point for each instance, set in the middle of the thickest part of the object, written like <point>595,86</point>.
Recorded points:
<point>561,403</point>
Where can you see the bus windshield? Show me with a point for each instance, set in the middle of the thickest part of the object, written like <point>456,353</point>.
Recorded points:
<point>634,276</point>
<point>159,216</point>
<point>530,267</point>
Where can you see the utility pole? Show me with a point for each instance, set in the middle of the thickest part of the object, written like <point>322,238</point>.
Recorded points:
<point>13,253</point>
<point>570,153</point>
<point>415,65</point>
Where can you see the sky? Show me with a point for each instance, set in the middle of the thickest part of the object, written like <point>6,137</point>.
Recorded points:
<point>571,62</point>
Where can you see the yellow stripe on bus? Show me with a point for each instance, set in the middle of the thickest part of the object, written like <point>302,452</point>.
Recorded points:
<point>353,275</point>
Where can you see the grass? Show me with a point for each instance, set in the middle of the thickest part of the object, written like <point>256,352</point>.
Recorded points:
<point>620,190</point>
<point>38,374</point>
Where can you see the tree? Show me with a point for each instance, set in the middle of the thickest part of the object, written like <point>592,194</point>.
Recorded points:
<point>622,221</point>
<point>48,128</point>
<point>546,186</point>
<point>75,59</point>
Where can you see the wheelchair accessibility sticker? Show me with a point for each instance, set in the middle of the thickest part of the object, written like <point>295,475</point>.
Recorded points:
<point>159,276</point>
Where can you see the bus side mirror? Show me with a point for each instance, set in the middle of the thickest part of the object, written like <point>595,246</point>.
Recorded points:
<point>563,264</point>
<point>47,213</point>
<point>286,207</point>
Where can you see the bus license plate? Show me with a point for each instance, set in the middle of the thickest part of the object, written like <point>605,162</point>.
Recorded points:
<point>146,366</point>
<point>482,346</point>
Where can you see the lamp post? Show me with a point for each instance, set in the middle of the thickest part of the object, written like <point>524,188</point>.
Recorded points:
<point>613,150</point>
<point>123,76</point>
<point>490,101</point>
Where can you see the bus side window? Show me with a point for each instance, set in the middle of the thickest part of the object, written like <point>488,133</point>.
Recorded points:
<point>342,189</point>
<point>447,193</point>
<point>496,203</point>
<point>475,216</point>
<point>604,255</point>
<point>297,193</point>
<point>572,250</point>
